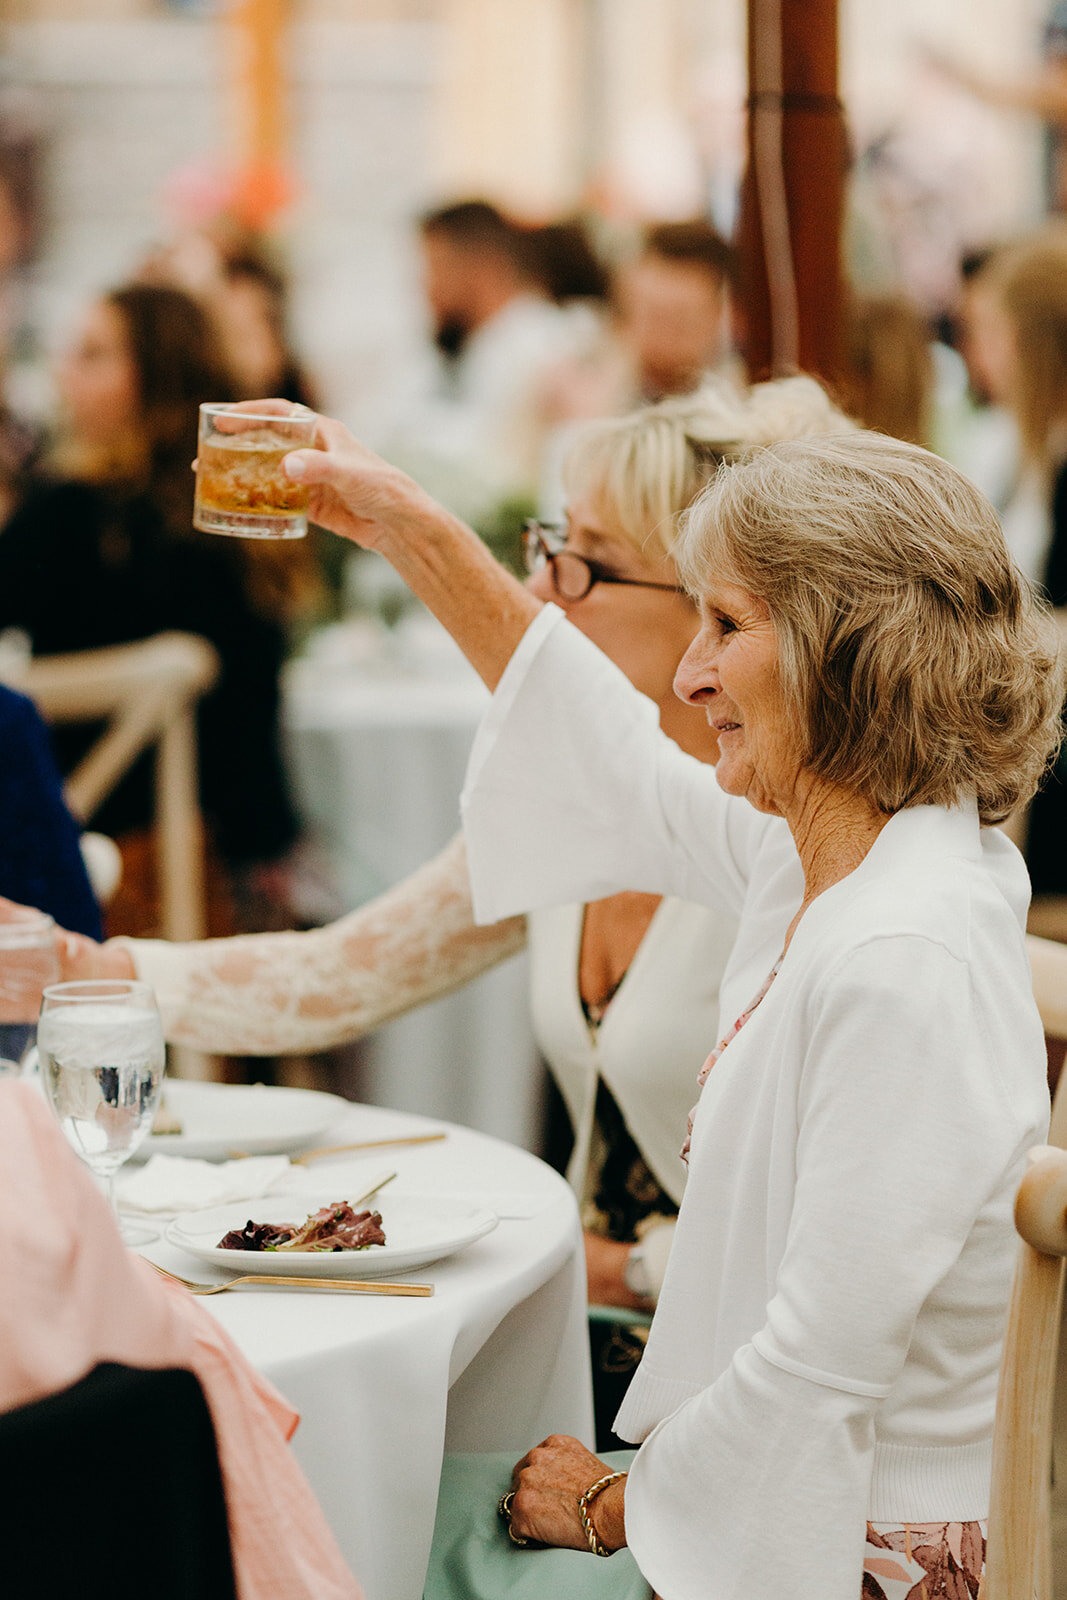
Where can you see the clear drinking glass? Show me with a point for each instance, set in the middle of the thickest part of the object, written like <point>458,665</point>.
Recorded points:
<point>240,486</point>
<point>101,1048</point>
<point>28,963</point>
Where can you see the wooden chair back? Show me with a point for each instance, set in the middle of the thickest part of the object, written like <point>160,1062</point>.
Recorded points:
<point>1018,1553</point>
<point>147,694</point>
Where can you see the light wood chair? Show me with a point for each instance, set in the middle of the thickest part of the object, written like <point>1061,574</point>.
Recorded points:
<point>1018,1553</point>
<point>147,693</point>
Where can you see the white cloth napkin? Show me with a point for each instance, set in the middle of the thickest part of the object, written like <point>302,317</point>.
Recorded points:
<point>179,1183</point>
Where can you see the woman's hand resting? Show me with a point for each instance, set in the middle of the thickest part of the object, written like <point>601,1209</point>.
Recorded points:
<point>77,956</point>
<point>548,1483</point>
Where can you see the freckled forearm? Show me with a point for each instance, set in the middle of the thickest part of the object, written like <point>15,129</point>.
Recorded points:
<point>484,608</point>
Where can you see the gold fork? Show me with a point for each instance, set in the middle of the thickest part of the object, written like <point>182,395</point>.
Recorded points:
<point>352,1285</point>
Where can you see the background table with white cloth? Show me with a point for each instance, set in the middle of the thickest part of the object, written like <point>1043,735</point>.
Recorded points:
<point>497,1359</point>
<point>378,738</point>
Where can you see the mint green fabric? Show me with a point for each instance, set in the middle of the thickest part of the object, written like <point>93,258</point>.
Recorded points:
<point>473,1558</point>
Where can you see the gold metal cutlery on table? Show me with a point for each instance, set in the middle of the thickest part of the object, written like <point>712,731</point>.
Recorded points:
<point>348,1285</point>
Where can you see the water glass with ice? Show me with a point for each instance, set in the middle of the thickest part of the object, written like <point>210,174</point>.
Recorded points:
<point>101,1049</point>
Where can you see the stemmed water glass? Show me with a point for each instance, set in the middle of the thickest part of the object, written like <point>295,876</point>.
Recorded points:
<point>28,963</point>
<point>102,1056</point>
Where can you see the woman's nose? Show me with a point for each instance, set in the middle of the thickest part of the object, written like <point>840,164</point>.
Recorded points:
<point>693,679</point>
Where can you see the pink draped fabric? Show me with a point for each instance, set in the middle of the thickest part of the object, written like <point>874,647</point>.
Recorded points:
<point>74,1296</point>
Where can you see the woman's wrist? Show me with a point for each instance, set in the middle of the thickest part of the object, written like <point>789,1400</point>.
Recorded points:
<point>115,960</point>
<point>606,1515</point>
<point>606,1262</point>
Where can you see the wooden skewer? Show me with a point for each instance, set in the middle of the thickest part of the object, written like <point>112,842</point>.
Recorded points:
<point>342,1149</point>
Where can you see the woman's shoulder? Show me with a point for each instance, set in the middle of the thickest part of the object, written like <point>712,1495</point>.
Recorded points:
<point>940,902</point>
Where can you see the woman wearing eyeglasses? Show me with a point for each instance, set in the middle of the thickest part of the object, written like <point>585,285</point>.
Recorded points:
<point>624,990</point>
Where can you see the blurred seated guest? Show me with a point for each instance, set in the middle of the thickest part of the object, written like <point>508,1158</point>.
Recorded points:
<point>624,990</point>
<point>671,331</point>
<point>18,442</point>
<point>974,431</point>
<point>250,307</point>
<point>675,308</point>
<point>1021,334</point>
<point>1026,366</point>
<point>890,379</point>
<point>40,857</point>
<point>821,1373</point>
<point>230,272</point>
<point>672,327</point>
<point>466,420</point>
<point>102,552</point>
<point>563,261</point>
<point>74,1296</point>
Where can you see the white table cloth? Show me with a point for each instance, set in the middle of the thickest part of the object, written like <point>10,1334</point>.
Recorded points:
<point>495,1360</point>
<point>378,750</point>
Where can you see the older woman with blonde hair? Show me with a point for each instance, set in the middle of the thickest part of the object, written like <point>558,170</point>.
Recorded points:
<point>624,988</point>
<point>815,1405</point>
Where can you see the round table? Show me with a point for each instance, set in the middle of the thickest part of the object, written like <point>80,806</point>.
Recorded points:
<point>378,748</point>
<point>496,1360</point>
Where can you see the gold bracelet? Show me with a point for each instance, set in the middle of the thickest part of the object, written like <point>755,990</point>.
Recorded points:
<point>585,1501</point>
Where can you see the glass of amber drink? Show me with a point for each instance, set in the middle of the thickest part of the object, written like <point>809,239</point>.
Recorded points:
<point>240,486</point>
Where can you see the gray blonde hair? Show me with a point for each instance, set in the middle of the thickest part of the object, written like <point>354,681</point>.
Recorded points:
<point>918,662</point>
<point>644,470</point>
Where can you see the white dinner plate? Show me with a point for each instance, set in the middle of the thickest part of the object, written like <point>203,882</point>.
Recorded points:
<point>256,1119</point>
<point>419,1228</point>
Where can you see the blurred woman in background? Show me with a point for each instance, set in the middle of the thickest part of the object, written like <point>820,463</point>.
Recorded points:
<point>890,379</point>
<point>103,552</point>
<point>1024,357</point>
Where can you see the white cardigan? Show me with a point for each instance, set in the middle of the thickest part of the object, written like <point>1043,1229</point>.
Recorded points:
<point>828,1334</point>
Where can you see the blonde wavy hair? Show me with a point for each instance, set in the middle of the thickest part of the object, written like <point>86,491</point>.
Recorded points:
<point>644,470</point>
<point>919,664</point>
<point>1029,281</point>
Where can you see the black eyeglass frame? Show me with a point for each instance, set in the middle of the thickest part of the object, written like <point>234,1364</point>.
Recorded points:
<point>537,552</point>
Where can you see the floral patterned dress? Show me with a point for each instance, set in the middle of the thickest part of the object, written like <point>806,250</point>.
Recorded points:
<point>902,1561</point>
<point>924,1561</point>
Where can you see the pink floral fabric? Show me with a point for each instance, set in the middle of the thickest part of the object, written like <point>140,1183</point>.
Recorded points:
<point>702,1075</point>
<point>924,1561</point>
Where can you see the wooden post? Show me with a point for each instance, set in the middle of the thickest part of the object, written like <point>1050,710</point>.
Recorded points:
<point>792,203</point>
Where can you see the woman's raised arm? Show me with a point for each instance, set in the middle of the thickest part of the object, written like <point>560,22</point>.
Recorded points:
<point>356,494</point>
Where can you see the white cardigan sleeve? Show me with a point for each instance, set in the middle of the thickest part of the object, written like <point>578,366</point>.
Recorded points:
<point>573,792</point>
<point>760,1483</point>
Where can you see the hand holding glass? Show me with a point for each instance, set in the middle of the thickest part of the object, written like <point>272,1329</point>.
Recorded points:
<point>102,1062</point>
<point>28,962</point>
<point>240,486</point>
